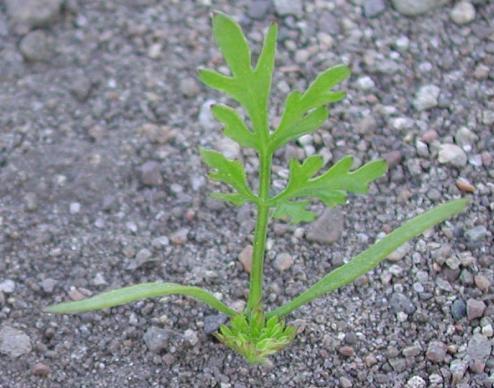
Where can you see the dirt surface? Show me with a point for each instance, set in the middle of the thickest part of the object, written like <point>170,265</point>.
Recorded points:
<point>101,186</point>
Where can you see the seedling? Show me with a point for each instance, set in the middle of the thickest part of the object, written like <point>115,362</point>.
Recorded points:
<point>256,333</point>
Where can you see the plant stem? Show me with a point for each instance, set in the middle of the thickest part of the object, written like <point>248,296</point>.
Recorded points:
<point>260,234</point>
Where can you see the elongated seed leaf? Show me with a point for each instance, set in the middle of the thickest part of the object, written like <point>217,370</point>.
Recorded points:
<point>138,292</point>
<point>371,257</point>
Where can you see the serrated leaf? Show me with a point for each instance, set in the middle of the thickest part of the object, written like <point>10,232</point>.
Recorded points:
<point>235,127</point>
<point>294,212</point>
<point>370,258</point>
<point>248,86</point>
<point>298,116</point>
<point>230,172</point>
<point>138,292</point>
<point>332,186</point>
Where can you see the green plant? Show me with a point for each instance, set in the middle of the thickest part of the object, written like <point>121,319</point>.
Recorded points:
<point>255,333</point>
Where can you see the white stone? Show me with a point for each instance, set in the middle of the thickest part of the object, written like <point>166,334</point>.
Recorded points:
<point>426,97</point>
<point>452,154</point>
<point>463,13</point>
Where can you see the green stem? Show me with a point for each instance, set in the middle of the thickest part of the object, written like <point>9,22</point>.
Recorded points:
<point>260,234</point>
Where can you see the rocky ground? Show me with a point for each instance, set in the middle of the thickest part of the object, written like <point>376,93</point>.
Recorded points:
<point>101,186</point>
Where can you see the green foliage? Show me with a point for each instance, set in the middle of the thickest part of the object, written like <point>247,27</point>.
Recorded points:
<point>252,333</point>
<point>331,187</point>
<point>256,338</point>
<point>141,291</point>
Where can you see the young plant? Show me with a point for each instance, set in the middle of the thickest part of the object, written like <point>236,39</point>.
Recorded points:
<point>256,333</point>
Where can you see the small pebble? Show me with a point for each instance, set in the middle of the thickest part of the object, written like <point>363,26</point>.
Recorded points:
<point>191,337</point>
<point>458,309</point>
<point>411,351</point>
<point>400,302</point>
<point>157,339</point>
<point>245,258</point>
<point>370,360</point>
<point>48,285</point>
<point>452,154</point>
<point>436,351</point>
<point>482,282</point>
<point>426,97</point>
<point>475,308</point>
<point>41,370</point>
<point>327,228</point>
<point>74,208</point>
<point>150,173</point>
<point>399,253</point>
<point>160,242</point>
<point>465,186</point>
<point>463,13</point>
<point>479,348</point>
<point>487,330</point>
<point>283,261</point>
<point>345,382</point>
<point>346,351</point>
<point>14,342</point>
<point>213,322</point>
<point>416,382</point>
<point>189,87</point>
<point>289,7</point>
<point>36,46</point>
<point>7,286</point>
<point>477,233</point>
<point>180,236</point>
<point>457,369</point>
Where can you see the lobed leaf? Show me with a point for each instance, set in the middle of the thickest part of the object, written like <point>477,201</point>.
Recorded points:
<point>230,172</point>
<point>332,186</point>
<point>248,86</point>
<point>138,292</point>
<point>294,212</point>
<point>235,127</point>
<point>232,44</point>
<point>300,107</point>
<point>371,257</point>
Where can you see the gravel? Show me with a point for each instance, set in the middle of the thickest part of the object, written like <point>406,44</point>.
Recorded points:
<point>105,87</point>
<point>34,13</point>
<point>475,308</point>
<point>37,46</point>
<point>14,342</point>
<point>416,7</point>
<point>245,258</point>
<point>463,13</point>
<point>452,154</point>
<point>458,309</point>
<point>157,339</point>
<point>427,97</point>
<point>150,173</point>
<point>288,7</point>
<point>373,8</point>
<point>436,351</point>
<point>401,303</point>
<point>7,286</point>
<point>327,228</point>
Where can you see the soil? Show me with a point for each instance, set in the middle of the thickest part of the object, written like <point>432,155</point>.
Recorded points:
<point>101,186</point>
